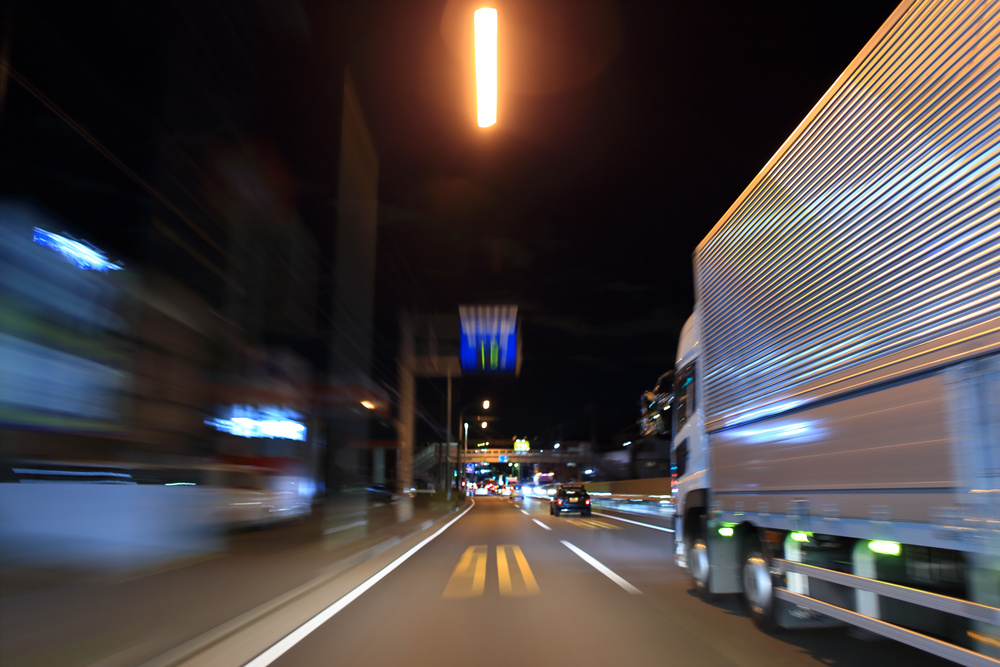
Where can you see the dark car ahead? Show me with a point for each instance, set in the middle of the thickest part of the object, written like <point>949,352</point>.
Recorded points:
<point>570,499</point>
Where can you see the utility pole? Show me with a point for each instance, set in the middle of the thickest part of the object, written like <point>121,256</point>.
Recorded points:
<point>406,423</point>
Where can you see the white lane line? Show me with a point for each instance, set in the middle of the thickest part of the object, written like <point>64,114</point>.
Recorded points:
<point>525,512</point>
<point>356,524</point>
<point>602,568</point>
<point>303,631</point>
<point>644,525</point>
<point>541,524</point>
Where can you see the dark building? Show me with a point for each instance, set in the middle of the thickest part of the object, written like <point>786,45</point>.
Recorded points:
<point>219,152</point>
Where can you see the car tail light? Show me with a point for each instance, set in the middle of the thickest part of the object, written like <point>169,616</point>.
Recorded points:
<point>587,501</point>
<point>559,502</point>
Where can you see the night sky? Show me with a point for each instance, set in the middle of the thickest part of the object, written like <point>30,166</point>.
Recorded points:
<point>626,129</point>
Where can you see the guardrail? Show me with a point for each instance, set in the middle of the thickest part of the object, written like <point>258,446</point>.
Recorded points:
<point>638,503</point>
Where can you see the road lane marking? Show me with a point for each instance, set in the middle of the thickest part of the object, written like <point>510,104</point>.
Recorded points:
<point>529,587</point>
<point>644,525</point>
<point>593,524</point>
<point>469,577</point>
<point>602,568</point>
<point>295,636</point>
<point>541,524</point>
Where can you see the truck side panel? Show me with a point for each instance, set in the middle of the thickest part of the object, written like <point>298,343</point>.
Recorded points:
<point>880,455</point>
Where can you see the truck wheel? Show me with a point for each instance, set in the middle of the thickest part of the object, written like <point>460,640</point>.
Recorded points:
<point>758,586</point>
<point>698,565</point>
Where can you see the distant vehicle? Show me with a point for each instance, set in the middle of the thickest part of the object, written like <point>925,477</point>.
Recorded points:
<point>482,491</point>
<point>570,499</point>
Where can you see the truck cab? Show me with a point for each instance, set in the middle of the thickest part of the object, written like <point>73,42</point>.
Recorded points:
<point>690,477</point>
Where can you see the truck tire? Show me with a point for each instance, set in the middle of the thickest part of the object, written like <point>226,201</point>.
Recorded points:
<point>697,560</point>
<point>700,570</point>
<point>758,585</point>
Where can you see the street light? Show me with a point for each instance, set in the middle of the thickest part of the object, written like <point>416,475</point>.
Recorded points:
<point>485,22</point>
<point>464,429</point>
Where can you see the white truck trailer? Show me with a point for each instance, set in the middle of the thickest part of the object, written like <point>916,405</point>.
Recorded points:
<point>836,448</point>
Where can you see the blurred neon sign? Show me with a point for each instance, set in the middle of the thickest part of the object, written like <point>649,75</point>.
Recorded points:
<point>269,422</point>
<point>489,341</point>
<point>82,254</point>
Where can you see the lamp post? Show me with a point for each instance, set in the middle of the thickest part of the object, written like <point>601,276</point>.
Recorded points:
<point>464,430</point>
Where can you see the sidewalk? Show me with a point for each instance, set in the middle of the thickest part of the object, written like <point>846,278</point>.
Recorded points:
<point>166,616</point>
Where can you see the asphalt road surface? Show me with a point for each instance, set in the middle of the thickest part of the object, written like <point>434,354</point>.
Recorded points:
<point>508,584</point>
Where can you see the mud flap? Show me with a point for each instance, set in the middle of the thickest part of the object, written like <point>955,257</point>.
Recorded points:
<point>724,555</point>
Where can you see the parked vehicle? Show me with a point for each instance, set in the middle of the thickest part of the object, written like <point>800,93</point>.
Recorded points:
<point>381,493</point>
<point>834,407</point>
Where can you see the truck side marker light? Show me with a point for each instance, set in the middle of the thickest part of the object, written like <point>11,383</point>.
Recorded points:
<point>726,531</point>
<point>883,547</point>
<point>800,537</point>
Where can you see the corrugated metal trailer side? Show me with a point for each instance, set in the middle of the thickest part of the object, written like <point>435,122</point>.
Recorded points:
<point>849,351</point>
<point>863,260</point>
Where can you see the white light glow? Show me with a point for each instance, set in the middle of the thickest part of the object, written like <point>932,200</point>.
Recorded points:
<point>485,21</point>
<point>249,422</point>
<point>784,432</point>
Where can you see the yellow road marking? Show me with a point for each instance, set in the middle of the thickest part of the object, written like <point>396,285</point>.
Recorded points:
<point>593,523</point>
<point>529,585</point>
<point>468,579</point>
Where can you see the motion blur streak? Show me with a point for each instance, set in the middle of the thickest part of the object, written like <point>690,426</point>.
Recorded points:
<point>303,631</point>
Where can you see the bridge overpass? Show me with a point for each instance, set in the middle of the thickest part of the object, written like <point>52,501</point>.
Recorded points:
<point>433,454</point>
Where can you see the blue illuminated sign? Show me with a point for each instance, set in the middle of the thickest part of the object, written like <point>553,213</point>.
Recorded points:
<point>489,339</point>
